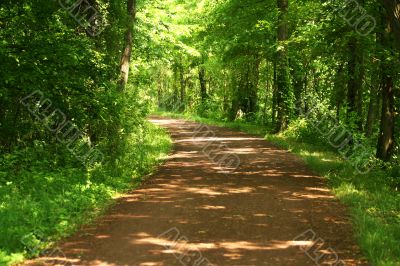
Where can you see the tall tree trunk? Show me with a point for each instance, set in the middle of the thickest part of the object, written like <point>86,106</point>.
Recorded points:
<point>226,92</point>
<point>306,104</point>
<point>386,135</point>
<point>351,85</point>
<point>282,68</point>
<point>360,72</point>
<point>274,94</point>
<point>126,56</point>
<point>267,85</point>
<point>175,89</point>
<point>235,83</point>
<point>203,86</point>
<point>243,90</point>
<point>182,88</point>
<point>386,139</point>
<point>356,77</point>
<point>251,87</point>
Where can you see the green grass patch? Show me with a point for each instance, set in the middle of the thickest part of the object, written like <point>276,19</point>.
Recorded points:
<point>374,204</point>
<point>44,198</point>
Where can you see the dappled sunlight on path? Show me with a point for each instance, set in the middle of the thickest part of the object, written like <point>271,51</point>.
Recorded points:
<point>249,216</point>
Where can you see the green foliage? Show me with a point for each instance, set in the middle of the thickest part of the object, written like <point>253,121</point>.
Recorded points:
<point>44,48</point>
<point>45,199</point>
<point>220,59</point>
<point>46,190</point>
<point>326,62</point>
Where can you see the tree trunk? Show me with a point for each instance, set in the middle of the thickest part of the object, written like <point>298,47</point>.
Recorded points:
<point>282,68</point>
<point>392,8</point>
<point>386,139</point>
<point>203,86</point>
<point>267,85</point>
<point>175,89</point>
<point>360,72</point>
<point>356,76</point>
<point>274,95</point>
<point>386,135</point>
<point>251,88</point>
<point>305,90</point>
<point>126,56</point>
<point>235,78</point>
<point>182,89</point>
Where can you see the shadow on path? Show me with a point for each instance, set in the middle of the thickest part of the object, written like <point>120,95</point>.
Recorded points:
<point>250,216</point>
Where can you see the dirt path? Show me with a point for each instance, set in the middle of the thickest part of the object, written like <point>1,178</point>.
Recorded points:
<point>255,215</point>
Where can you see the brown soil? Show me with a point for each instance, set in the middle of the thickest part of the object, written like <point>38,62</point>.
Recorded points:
<point>252,216</point>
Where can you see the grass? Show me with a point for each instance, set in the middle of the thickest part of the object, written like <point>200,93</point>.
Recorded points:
<point>373,203</point>
<point>44,198</point>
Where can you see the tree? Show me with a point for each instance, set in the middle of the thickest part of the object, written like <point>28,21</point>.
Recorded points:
<point>202,81</point>
<point>392,8</point>
<point>127,52</point>
<point>283,86</point>
<point>386,140</point>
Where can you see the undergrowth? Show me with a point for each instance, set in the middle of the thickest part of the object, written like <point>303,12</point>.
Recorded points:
<point>47,194</point>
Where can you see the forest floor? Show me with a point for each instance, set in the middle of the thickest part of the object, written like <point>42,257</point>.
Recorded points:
<point>267,211</point>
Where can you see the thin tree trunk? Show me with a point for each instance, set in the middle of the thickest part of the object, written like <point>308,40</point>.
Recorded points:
<point>235,78</point>
<point>226,92</point>
<point>182,87</point>
<point>175,98</point>
<point>306,92</point>
<point>203,86</point>
<point>359,85</point>
<point>283,68</point>
<point>252,84</point>
<point>356,76</point>
<point>126,55</point>
<point>274,95</point>
<point>266,93</point>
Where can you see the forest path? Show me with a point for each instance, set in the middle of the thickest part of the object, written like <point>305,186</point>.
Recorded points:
<point>251,216</point>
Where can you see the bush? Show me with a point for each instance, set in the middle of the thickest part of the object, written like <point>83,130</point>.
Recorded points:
<point>45,196</point>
